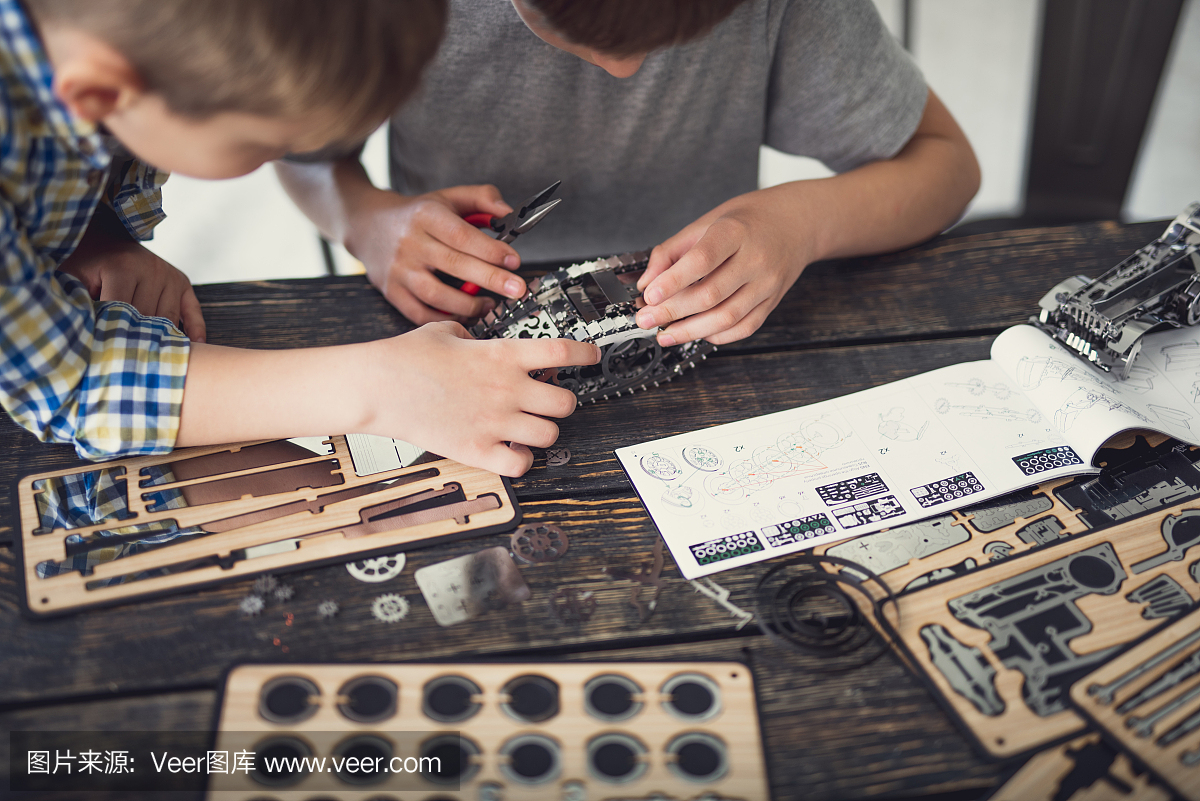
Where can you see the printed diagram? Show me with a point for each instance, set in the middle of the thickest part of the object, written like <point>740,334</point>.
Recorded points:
<point>893,427</point>
<point>703,458</point>
<point>976,386</point>
<point>1171,416</point>
<point>1181,356</point>
<point>794,454</point>
<point>1033,370</point>
<point>660,467</point>
<point>1083,399</point>
<point>943,406</point>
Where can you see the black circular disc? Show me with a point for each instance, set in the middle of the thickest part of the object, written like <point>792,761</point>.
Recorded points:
<point>691,698</point>
<point>611,698</point>
<point>532,698</point>
<point>615,760</point>
<point>368,699</point>
<point>699,759</point>
<point>288,699</point>
<point>531,760</point>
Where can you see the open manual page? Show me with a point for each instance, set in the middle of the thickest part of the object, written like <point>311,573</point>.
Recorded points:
<point>742,492</point>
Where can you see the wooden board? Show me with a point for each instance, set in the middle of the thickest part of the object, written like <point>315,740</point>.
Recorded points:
<point>1002,645</point>
<point>1083,769</point>
<point>495,724</point>
<point>1147,700</point>
<point>301,510</point>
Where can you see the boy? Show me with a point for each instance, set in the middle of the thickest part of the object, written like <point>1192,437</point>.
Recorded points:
<point>652,112</point>
<point>95,91</point>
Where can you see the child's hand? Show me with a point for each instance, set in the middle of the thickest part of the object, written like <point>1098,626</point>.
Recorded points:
<point>721,276</point>
<point>466,399</point>
<point>403,240</point>
<point>124,270</point>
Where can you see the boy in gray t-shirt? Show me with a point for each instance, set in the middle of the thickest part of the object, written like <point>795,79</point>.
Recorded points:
<point>652,113</point>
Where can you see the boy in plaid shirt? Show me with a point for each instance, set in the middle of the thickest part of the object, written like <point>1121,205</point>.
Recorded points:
<point>101,99</point>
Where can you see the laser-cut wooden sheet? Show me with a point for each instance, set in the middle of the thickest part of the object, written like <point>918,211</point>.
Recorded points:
<point>1002,645</point>
<point>517,731</point>
<point>1148,701</point>
<point>1084,769</point>
<point>126,529</point>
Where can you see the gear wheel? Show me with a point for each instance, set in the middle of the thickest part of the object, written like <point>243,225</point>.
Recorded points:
<point>252,605</point>
<point>328,609</point>
<point>283,593</point>
<point>533,544</point>
<point>265,585</point>
<point>596,301</point>
<point>389,608</point>
<point>377,569</point>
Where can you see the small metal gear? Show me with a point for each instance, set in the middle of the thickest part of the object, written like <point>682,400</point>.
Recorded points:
<point>558,456</point>
<point>265,585</point>
<point>328,609</point>
<point>283,593</point>
<point>389,608</point>
<point>537,543</point>
<point>377,569</point>
<point>251,605</point>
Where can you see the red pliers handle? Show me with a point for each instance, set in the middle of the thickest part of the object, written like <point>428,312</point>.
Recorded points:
<point>479,220</point>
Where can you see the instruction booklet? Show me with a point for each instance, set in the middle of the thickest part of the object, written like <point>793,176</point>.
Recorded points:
<point>739,493</point>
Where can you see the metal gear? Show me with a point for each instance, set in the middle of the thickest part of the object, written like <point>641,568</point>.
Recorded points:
<point>252,605</point>
<point>389,608</point>
<point>265,585</point>
<point>536,543</point>
<point>283,593</point>
<point>595,301</point>
<point>377,569</point>
<point>328,609</point>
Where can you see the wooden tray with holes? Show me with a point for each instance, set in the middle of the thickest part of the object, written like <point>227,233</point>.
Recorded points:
<point>517,731</point>
<point>109,533</point>
<point>1148,701</point>
<point>1002,645</point>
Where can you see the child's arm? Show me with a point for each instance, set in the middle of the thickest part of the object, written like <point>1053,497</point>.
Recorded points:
<point>402,239</point>
<point>435,387</point>
<point>721,276</point>
<point>114,266</point>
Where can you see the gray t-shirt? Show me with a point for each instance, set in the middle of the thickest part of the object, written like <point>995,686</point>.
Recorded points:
<point>644,156</point>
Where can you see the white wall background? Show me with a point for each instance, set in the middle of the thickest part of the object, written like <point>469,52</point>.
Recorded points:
<point>980,56</point>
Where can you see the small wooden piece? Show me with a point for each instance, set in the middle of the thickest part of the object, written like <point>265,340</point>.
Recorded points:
<point>571,731</point>
<point>1148,700</point>
<point>288,530</point>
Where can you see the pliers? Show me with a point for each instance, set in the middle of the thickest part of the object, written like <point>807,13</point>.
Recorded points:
<point>510,226</point>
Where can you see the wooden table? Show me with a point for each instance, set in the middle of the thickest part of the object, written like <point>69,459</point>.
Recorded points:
<point>845,326</point>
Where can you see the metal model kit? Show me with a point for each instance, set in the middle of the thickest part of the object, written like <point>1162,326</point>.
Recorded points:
<point>595,301</point>
<point>532,731</point>
<point>1103,320</point>
<point>1146,701</point>
<point>1084,769</point>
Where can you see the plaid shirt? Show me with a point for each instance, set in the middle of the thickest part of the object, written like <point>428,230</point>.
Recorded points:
<point>98,375</point>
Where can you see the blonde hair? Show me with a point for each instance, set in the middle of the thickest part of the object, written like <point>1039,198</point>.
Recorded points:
<point>354,61</point>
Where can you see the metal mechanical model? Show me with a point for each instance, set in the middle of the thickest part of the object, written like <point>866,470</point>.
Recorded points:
<point>1103,320</point>
<point>595,301</point>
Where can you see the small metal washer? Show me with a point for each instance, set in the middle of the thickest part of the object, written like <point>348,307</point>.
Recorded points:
<point>538,543</point>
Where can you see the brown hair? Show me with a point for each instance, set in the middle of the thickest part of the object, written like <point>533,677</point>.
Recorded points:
<point>355,61</point>
<point>631,27</point>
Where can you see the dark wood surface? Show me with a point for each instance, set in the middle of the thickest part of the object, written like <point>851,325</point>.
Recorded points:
<point>845,326</point>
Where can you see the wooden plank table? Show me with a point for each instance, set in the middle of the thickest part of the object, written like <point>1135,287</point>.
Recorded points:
<point>845,326</point>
